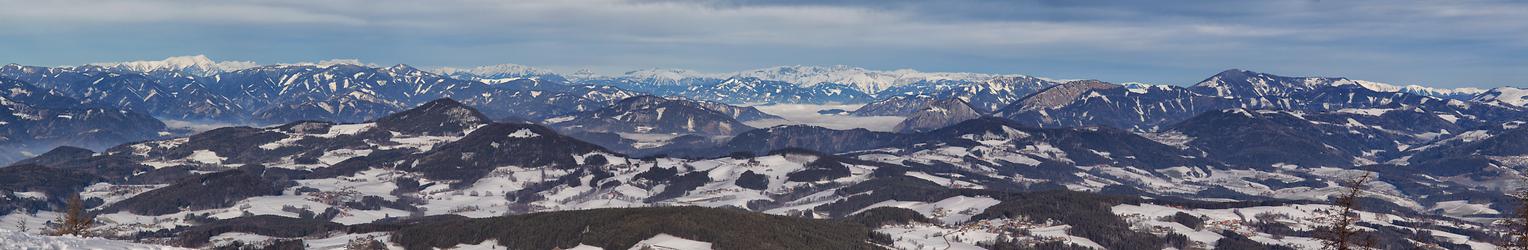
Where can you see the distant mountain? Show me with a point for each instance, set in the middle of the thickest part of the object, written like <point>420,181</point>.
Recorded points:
<point>536,99</point>
<point>736,112</point>
<point>1267,91</point>
<point>500,72</point>
<point>824,84</point>
<point>938,114</point>
<point>197,64</point>
<point>34,120</point>
<point>168,94</point>
<point>868,81</point>
<point>1331,94</point>
<point>901,105</point>
<point>1445,93</point>
<point>1152,107</point>
<point>1058,96</point>
<point>652,114</point>
<point>331,91</point>
<point>1093,103</point>
<point>985,95</point>
<point>385,89</point>
<point>755,90</point>
<point>653,81</point>
<point>923,112</point>
<point>346,108</point>
<point>1510,96</point>
<point>1243,83</point>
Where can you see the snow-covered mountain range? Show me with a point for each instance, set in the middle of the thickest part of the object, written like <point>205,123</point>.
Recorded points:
<point>197,64</point>
<point>989,180</point>
<point>344,153</point>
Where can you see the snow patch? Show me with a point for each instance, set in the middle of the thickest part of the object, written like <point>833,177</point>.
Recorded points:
<point>951,210</point>
<point>205,156</point>
<point>523,133</point>
<point>20,240</point>
<point>665,241</point>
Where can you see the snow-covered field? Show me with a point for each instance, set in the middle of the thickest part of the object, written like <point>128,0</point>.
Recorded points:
<point>807,114</point>
<point>19,240</point>
<point>665,241</point>
<point>1235,220</point>
<point>949,211</point>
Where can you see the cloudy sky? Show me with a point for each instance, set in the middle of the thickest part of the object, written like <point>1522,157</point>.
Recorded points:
<point>1451,43</point>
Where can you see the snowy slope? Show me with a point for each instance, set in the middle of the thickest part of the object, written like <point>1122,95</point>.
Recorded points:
<point>197,64</point>
<point>1504,95</point>
<point>19,240</point>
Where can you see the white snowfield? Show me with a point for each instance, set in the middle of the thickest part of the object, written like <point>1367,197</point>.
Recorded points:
<point>658,242</point>
<point>665,241</point>
<point>196,64</point>
<point>968,236</point>
<point>1236,220</point>
<point>951,210</point>
<point>18,240</point>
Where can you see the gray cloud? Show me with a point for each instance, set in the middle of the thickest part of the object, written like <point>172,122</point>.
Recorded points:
<point>1447,43</point>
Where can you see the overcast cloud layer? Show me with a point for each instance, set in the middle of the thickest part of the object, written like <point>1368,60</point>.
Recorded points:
<point>1431,42</point>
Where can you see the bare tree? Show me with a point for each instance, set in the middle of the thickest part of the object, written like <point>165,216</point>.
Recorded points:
<point>21,225</point>
<point>74,221</point>
<point>1341,233</point>
<point>1517,226</point>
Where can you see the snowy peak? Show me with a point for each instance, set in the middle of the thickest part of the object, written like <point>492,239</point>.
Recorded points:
<point>667,76</point>
<point>197,64</point>
<point>1454,93</point>
<point>402,68</point>
<point>1504,96</point>
<point>497,71</point>
<point>1446,93</point>
<point>1244,83</point>
<point>810,75</point>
